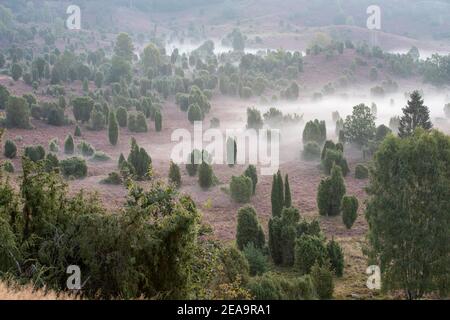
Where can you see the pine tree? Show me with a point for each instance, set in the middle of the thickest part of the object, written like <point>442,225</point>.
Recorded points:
<point>415,115</point>
<point>287,193</point>
<point>113,129</point>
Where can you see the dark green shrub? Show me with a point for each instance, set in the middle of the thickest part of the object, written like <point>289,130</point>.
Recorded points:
<point>101,156</point>
<point>182,100</point>
<point>97,119</point>
<point>174,174</point>
<point>17,113</point>
<point>139,160</point>
<point>322,278</point>
<point>252,174</point>
<point>73,167</point>
<point>234,264</point>
<point>8,166</point>
<point>122,116</point>
<point>77,132</point>
<point>315,131</point>
<point>277,194</point>
<point>35,153</point>
<point>195,113</point>
<point>195,158</point>
<point>248,228</point>
<point>282,235</point>
<point>137,123</point>
<point>271,286</point>
<point>51,162</point>
<point>382,132</point>
<point>10,149</point>
<point>86,149</point>
<point>69,145</point>
<point>254,119</point>
<point>82,108</point>
<point>241,189</point>
<point>266,287</point>
<point>328,145</point>
<point>158,121</point>
<point>4,95</point>
<point>308,251</point>
<point>349,210</point>
<point>311,151</point>
<point>361,172</point>
<point>113,129</point>
<point>113,178</point>
<point>256,259</point>
<point>330,193</point>
<point>205,175</point>
<point>335,157</point>
<point>36,112</point>
<point>336,257</point>
<point>287,193</point>
<point>53,145</point>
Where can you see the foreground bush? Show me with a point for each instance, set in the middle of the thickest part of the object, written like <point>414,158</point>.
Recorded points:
<point>235,264</point>
<point>401,214</point>
<point>127,255</point>
<point>322,278</point>
<point>256,259</point>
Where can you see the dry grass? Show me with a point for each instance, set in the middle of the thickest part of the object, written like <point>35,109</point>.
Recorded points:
<point>29,293</point>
